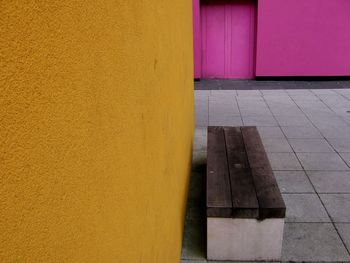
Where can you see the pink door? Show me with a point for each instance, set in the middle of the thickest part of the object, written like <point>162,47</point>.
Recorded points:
<point>228,39</point>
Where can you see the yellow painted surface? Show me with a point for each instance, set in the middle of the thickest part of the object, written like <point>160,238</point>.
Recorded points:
<point>96,122</point>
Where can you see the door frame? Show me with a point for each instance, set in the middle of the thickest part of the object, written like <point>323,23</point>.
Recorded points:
<point>197,36</point>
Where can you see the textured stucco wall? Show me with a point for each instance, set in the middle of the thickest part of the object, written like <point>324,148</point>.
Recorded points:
<point>96,113</point>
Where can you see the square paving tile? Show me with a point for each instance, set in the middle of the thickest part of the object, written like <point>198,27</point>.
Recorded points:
<point>284,161</point>
<point>201,112</point>
<point>310,145</point>
<point>307,97</point>
<point>223,93</point>
<point>194,242</point>
<point>312,242</point>
<point>338,206</point>
<point>200,139</point>
<point>215,261</point>
<point>246,111</point>
<point>257,120</point>
<point>193,261</point>
<point>251,103</point>
<point>293,182</point>
<point>199,160</point>
<point>292,120</point>
<point>201,120</point>
<point>271,132</point>
<point>346,157</point>
<point>300,92</point>
<point>331,132</point>
<point>223,107</point>
<point>344,232</point>
<point>305,208</point>
<point>248,93</point>
<point>330,182</point>
<point>341,145</point>
<point>285,110</point>
<point>224,120</point>
<point>274,145</point>
<point>322,161</point>
<point>323,92</point>
<point>301,132</point>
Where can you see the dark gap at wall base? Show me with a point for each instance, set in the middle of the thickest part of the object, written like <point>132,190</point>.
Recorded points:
<point>304,78</point>
<point>273,83</point>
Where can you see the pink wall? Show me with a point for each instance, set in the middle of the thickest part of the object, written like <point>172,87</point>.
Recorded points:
<point>303,38</point>
<point>197,40</point>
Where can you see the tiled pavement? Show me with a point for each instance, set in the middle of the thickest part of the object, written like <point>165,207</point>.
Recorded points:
<point>306,133</point>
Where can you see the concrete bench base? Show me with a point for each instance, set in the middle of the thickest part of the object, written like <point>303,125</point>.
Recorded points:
<point>244,239</point>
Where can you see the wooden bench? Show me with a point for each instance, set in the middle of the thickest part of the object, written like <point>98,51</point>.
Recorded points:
<point>245,209</point>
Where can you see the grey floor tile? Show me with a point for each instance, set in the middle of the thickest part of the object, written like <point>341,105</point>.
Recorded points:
<point>341,111</point>
<point>271,132</point>
<point>312,242</point>
<point>246,111</point>
<point>346,158</point>
<point>196,195</point>
<point>224,120</point>
<point>330,182</point>
<point>199,160</point>
<point>311,111</point>
<point>201,121</point>
<point>312,105</point>
<point>341,145</point>
<point>201,113</point>
<point>299,92</point>
<point>343,91</point>
<point>285,110</point>
<point>200,139</point>
<point>194,242</point>
<point>305,208</point>
<point>223,93</point>
<point>193,261</point>
<point>323,91</point>
<point>344,232</point>
<point>338,206</point>
<point>307,97</point>
<point>292,120</point>
<point>331,132</point>
<point>322,161</point>
<point>276,145</point>
<point>310,145</point>
<point>250,99</point>
<point>278,101</point>
<point>301,132</point>
<point>284,161</point>
<point>274,93</point>
<point>215,261</point>
<point>223,107</point>
<point>256,120</point>
<point>293,182</point>
<point>346,118</point>
<point>248,93</point>
<point>324,121</point>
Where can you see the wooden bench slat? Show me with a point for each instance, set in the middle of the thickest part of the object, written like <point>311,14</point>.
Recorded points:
<point>244,200</point>
<point>219,202</point>
<point>270,200</point>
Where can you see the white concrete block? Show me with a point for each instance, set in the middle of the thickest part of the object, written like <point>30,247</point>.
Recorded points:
<point>244,239</point>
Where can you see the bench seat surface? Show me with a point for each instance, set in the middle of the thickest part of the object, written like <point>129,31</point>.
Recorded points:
<point>240,180</point>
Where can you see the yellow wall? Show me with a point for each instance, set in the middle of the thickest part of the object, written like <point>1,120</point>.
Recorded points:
<point>96,115</point>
